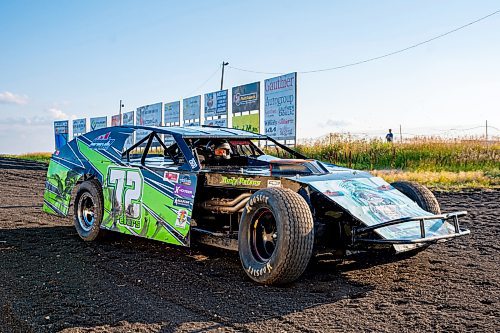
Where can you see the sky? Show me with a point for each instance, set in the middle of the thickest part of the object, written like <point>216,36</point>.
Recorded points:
<point>73,59</point>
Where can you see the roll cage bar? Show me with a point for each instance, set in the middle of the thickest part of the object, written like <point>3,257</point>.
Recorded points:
<point>191,157</point>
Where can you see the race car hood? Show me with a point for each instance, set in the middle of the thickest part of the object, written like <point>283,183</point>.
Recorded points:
<point>372,201</point>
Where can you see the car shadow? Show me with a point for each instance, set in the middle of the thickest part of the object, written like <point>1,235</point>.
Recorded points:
<point>54,280</point>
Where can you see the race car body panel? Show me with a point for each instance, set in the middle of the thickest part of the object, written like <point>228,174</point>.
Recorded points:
<point>372,201</point>
<point>137,200</point>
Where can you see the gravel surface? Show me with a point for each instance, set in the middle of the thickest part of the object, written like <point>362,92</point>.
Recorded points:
<point>50,280</point>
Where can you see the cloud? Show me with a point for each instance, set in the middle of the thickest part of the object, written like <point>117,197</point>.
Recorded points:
<point>7,97</point>
<point>46,118</point>
<point>334,123</point>
<point>57,113</point>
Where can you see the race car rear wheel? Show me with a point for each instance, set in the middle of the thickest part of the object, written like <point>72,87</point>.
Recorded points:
<point>276,236</point>
<point>420,194</point>
<point>88,209</point>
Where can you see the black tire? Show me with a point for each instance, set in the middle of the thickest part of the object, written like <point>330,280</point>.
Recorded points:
<point>284,258</point>
<point>88,209</point>
<point>420,194</point>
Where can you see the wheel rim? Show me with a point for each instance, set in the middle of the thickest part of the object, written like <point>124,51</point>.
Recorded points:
<point>86,211</point>
<point>263,235</point>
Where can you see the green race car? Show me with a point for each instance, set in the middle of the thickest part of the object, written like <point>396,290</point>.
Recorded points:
<point>240,191</point>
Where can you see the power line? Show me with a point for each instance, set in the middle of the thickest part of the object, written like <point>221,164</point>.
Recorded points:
<point>465,129</point>
<point>425,133</point>
<point>204,82</point>
<point>375,58</point>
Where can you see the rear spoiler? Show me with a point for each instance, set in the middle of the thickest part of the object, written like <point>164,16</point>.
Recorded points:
<point>359,232</point>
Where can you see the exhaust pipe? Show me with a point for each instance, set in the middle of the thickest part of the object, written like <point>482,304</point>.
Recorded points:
<point>226,206</point>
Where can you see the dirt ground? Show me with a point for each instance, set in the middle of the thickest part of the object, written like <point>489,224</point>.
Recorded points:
<point>50,280</point>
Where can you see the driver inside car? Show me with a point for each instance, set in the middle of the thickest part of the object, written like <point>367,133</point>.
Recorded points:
<point>214,153</point>
<point>222,151</point>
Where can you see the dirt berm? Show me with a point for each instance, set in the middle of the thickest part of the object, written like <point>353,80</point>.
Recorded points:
<point>51,281</point>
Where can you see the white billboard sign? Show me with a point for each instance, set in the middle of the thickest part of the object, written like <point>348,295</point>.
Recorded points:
<point>98,122</point>
<point>280,107</point>
<point>147,115</point>
<point>79,127</point>
<point>128,119</point>
<point>172,113</point>
<point>191,109</point>
<point>216,108</point>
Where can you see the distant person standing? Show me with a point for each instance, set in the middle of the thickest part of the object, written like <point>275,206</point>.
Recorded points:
<point>389,136</point>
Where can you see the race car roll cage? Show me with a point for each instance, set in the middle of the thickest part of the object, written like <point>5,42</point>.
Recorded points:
<point>186,150</point>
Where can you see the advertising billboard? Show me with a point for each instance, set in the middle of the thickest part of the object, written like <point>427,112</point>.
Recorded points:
<point>61,132</point>
<point>128,119</point>
<point>216,108</point>
<point>191,109</point>
<point>98,122</point>
<point>221,122</point>
<point>115,120</point>
<point>79,127</point>
<point>246,97</point>
<point>172,114</point>
<point>249,122</point>
<point>280,107</point>
<point>147,115</point>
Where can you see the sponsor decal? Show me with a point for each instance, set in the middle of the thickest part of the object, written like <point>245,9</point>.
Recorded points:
<point>193,163</point>
<point>240,99</point>
<point>182,217</point>
<point>183,191</point>
<point>102,142</point>
<point>239,181</point>
<point>333,193</point>
<point>171,176</point>
<point>180,202</point>
<point>185,179</point>
<point>274,183</point>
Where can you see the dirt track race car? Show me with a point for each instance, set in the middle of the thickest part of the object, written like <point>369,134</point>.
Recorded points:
<point>222,187</point>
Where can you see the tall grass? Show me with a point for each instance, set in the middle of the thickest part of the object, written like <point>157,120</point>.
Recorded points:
<point>431,161</point>
<point>421,154</point>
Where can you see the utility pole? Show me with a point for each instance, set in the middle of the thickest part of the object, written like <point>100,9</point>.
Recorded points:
<point>486,130</point>
<point>224,64</point>
<point>121,105</point>
<point>400,134</point>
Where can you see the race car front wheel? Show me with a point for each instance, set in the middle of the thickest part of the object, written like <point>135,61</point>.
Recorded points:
<point>424,198</point>
<point>276,236</point>
<point>88,210</point>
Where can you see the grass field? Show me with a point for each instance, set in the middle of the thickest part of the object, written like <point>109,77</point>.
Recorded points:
<point>431,161</point>
<point>39,156</point>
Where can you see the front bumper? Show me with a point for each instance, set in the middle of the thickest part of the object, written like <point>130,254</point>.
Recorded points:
<point>359,234</point>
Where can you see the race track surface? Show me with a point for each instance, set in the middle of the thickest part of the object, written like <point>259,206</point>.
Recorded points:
<point>50,280</point>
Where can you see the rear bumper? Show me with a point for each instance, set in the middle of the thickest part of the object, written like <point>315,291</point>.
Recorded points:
<point>359,233</point>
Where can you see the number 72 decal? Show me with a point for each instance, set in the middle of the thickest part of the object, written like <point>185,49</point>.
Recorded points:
<point>126,185</point>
